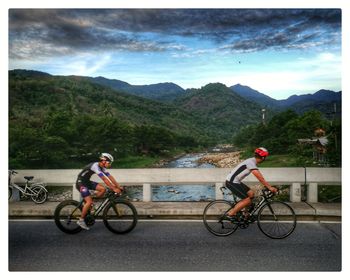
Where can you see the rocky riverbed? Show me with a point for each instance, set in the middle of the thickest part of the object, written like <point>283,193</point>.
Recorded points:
<point>221,160</point>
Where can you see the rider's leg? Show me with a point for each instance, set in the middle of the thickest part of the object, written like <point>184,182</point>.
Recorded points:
<point>242,203</point>
<point>100,190</point>
<point>86,207</point>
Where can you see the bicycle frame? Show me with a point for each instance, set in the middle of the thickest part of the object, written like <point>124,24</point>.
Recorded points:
<point>27,186</point>
<point>99,208</point>
<point>256,208</point>
<point>23,190</point>
<point>262,202</point>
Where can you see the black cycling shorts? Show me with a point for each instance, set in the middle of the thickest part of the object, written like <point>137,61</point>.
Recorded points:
<point>241,190</point>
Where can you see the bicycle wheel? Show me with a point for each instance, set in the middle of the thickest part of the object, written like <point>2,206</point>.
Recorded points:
<point>276,219</point>
<point>212,218</point>
<point>120,217</point>
<point>67,213</point>
<point>40,194</point>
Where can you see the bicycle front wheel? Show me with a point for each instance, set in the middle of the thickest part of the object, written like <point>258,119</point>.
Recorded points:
<point>67,214</point>
<point>213,218</point>
<point>40,194</point>
<point>120,217</point>
<point>276,219</point>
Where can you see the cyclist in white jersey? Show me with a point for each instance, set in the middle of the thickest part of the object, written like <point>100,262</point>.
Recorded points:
<point>84,184</point>
<point>234,181</point>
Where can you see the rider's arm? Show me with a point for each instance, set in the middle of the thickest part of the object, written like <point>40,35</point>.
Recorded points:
<point>106,177</point>
<point>262,180</point>
<point>114,181</point>
<point>111,184</point>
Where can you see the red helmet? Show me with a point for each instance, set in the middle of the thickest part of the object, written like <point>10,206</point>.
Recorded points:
<point>261,152</point>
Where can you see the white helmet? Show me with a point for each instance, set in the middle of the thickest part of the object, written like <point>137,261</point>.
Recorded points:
<point>107,157</point>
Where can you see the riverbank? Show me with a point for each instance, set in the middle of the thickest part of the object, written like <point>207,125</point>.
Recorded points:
<point>221,160</point>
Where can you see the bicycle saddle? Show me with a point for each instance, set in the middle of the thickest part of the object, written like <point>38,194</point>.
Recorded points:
<point>29,178</point>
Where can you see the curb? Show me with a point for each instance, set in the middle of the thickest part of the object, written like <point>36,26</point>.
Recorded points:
<point>175,210</point>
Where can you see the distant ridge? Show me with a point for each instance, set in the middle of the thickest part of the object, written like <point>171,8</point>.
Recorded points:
<point>160,91</point>
<point>254,95</point>
<point>322,100</point>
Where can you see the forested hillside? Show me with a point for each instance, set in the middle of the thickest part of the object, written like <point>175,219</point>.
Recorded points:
<point>160,91</point>
<point>326,101</point>
<point>222,111</point>
<point>282,132</point>
<point>54,121</point>
<point>65,121</point>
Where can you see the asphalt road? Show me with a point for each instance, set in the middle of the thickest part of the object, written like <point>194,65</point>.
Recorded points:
<point>172,246</point>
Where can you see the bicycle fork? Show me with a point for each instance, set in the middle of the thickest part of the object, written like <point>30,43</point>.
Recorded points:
<point>272,212</point>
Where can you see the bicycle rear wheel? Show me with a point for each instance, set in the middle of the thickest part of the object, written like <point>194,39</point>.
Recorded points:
<point>67,213</point>
<point>40,194</point>
<point>120,217</point>
<point>212,218</point>
<point>276,219</point>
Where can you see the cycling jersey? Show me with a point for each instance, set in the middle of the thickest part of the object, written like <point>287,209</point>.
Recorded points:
<point>89,170</point>
<point>242,170</point>
<point>84,184</point>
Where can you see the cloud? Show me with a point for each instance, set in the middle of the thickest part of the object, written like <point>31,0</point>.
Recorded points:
<point>56,32</point>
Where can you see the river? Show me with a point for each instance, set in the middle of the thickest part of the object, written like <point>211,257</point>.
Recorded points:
<point>180,192</point>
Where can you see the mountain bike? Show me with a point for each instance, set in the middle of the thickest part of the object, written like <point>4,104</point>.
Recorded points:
<point>37,191</point>
<point>276,219</point>
<point>118,214</point>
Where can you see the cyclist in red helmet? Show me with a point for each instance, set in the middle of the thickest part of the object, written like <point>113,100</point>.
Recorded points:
<point>234,181</point>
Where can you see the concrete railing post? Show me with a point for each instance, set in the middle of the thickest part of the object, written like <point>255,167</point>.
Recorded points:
<point>147,192</point>
<point>218,193</point>
<point>76,194</point>
<point>312,192</point>
<point>15,195</point>
<point>295,192</point>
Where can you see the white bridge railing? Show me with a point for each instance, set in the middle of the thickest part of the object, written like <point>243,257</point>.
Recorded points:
<point>294,177</point>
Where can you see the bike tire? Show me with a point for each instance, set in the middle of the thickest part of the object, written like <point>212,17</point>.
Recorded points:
<point>67,213</point>
<point>276,219</point>
<point>120,217</point>
<point>212,218</point>
<point>40,195</point>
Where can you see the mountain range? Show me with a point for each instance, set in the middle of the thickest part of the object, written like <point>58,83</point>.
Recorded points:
<point>53,116</point>
<point>322,100</point>
<point>326,101</point>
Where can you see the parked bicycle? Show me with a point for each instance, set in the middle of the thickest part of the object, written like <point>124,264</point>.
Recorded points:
<point>276,219</point>
<point>118,214</point>
<point>36,191</point>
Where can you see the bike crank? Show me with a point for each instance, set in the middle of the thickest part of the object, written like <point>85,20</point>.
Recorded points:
<point>89,220</point>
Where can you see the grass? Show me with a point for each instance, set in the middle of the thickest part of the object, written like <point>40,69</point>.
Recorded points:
<point>287,161</point>
<point>279,161</point>
<point>135,162</point>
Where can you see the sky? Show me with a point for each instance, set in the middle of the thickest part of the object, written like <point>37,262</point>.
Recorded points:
<point>279,52</point>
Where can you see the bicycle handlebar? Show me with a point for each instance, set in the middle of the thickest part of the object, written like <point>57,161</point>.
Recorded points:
<point>111,193</point>
<point>222,188</point>
<point>268,194</point>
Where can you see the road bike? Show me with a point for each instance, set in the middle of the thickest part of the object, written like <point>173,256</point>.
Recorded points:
<point>118,214</point>
<point>276,219</point>
<point>36,191</point>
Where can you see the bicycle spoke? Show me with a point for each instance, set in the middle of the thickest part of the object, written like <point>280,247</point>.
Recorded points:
<point>276,219</point>
<point>67,214</point>
<point>120,217</point>
<point>213,218</point>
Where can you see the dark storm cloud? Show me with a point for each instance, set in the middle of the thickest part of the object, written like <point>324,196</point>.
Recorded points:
<point>38,32</point>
